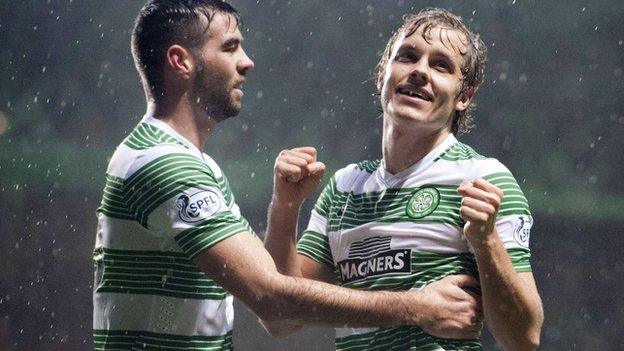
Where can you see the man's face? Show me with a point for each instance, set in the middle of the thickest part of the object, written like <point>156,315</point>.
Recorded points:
<point>221,67</point>
<point>423,79</point>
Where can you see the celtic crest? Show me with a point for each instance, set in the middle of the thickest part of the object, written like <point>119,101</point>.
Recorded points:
<point>423,202</point>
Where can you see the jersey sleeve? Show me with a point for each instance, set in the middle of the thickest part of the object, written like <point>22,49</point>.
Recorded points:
<point>178,195</point>
<point>514,220</point>
<point>314,242</point>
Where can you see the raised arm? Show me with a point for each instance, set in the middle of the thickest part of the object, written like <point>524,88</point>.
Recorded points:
<point>297,174</point>
<point>511,303</point>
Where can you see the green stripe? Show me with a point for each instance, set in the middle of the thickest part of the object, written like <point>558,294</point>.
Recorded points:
<point>514,202</point>
<point>224,184</point>
<point>145,135</point>
<point>143,340</point>
<point>316,246</point>
<point>162,179</point>
<point>166,163</point>
<point>520,259</point>
<point>368,166</point>
<point>348,210</point>
<point>210,232</point>
<point>154,272</point>
<point>156,182</point>
<point>113,204</point>
<point>323,204</point>
<point>458,152</point>
<point>400,339</point>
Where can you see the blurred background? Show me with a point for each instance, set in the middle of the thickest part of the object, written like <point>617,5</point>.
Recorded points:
<point>551,109</point>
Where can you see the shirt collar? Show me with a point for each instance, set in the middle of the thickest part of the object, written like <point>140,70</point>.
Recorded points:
<point>420,165</point>
<point>150,119</point>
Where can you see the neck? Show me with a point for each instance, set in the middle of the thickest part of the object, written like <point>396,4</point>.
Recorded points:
<point>402,147</point>
<point>180,115</point>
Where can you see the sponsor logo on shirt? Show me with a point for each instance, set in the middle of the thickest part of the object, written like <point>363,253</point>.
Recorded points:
<point>198,206</point>
<point>373,257</point>
<point>522,230</point>
<point>423,202</point>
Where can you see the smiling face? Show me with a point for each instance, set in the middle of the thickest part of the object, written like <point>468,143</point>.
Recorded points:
<point>221,68</point>
<point>423,79</point>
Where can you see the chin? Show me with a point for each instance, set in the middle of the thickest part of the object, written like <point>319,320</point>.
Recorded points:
<point>408,115</point>
<point>232,111</point>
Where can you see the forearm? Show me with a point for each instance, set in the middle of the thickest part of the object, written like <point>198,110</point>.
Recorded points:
<point>301,301</point>
<point>242,266</point>
<point>281,237</point>
<point>512,307</point>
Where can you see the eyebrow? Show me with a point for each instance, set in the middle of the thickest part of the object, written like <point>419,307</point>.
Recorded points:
<point>232,42</point>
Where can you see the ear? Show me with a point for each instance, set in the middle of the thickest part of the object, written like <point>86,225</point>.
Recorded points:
<point>464,99</point>
<point>180,61</point>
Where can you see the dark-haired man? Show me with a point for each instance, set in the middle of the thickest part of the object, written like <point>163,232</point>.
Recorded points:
<point>171,243</point>
<point>430,207</point>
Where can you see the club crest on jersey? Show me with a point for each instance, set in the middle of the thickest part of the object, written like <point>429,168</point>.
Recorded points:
<point>198,206</point>
<point>373,257</point>
<point>423,202</point>
<point>522,230</point>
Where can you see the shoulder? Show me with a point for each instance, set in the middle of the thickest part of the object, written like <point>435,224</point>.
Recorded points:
<point>466,163</point>
<point>146,135</point>
<point>127,161</point>
<point>146,143</point>
<point>355,173</point>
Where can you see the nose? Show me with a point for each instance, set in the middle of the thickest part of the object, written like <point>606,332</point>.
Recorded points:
<point>245,64</point>
<point>419,73</point>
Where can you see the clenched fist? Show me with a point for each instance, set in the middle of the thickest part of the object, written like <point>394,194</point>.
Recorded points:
<point>296,175</point>
<point>479,208</point>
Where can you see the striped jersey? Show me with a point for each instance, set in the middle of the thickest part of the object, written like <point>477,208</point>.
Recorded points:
<point>382,231</point>
<point>164,201</point>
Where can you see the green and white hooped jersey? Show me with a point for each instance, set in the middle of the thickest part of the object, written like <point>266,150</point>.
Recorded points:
<point>380,231</point>
<point>164,202</point>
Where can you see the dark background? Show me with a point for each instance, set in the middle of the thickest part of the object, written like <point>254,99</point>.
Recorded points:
<point>551,109</point>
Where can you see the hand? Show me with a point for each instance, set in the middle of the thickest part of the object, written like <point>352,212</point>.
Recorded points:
<point>479,207</point>
<point>296,175</point>
<point>450,310</point>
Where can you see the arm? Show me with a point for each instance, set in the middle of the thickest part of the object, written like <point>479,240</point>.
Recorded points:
<point>280,241</point>
<point>242,266</point>
<point>297,174</point>
<point>511,303</point>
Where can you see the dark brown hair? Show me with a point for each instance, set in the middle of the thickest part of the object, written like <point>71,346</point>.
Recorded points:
<point>162,23</point>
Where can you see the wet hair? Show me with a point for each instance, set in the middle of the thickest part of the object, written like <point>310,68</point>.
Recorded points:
<point>162,23</point>
<point>473,69</point>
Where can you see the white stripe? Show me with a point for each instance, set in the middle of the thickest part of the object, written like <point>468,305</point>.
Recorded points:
<point>126,161</point>
<point>351,179</point>
<point>342,332</point>
<point>121,234</point>
<point>162,314</point>
<point>317,223</point>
